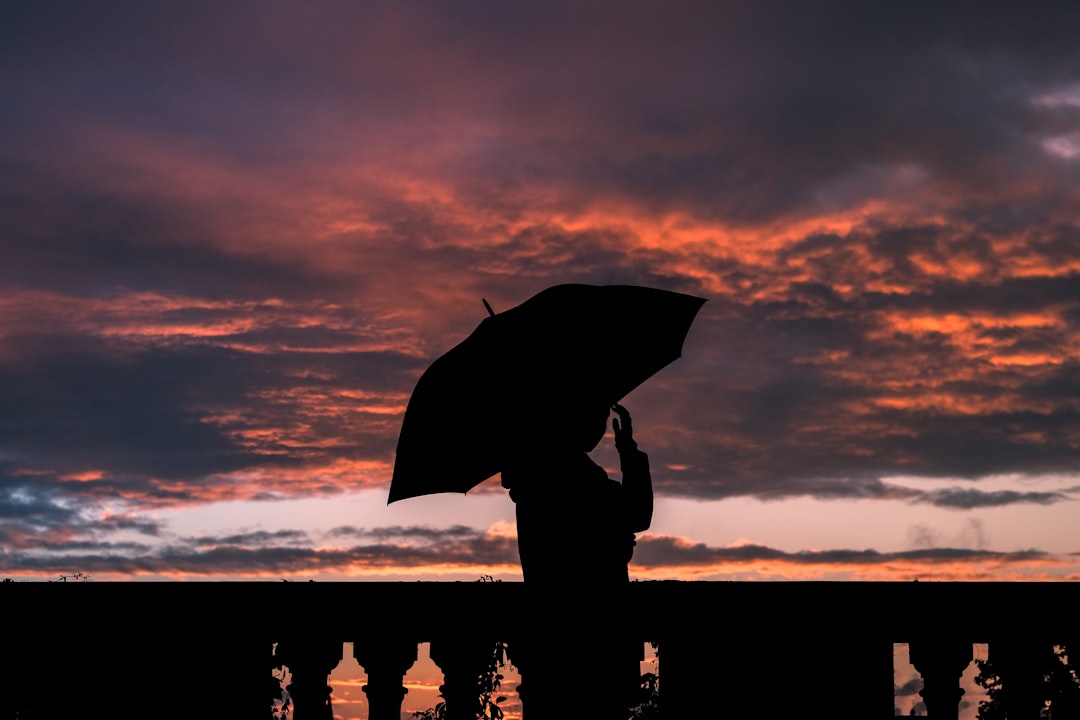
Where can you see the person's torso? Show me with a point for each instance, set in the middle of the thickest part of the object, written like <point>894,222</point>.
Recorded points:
<point>571,522</point>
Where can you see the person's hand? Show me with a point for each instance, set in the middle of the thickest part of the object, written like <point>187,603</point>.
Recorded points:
<point>624,431</point>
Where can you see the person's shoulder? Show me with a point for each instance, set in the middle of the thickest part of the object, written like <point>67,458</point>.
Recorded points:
<point>589,468</point>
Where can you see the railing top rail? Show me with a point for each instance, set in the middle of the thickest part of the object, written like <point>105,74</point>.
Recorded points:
<point>901,611</point>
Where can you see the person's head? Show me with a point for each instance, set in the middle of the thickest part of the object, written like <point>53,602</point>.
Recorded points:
<point>573,427</point>
<point>578,428</point>
<point>585,427</point>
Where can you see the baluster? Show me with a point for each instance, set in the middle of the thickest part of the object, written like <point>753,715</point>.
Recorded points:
<point>941,663</point>
<point>386,661</point>
<point>310,662</point>
<point>462,661</point>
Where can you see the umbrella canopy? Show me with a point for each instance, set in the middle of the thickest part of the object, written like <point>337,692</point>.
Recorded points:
<point>568,348</point>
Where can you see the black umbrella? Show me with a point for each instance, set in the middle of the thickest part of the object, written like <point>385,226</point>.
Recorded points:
<point>567,347</point>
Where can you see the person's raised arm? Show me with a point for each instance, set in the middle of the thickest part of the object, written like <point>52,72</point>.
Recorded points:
<point>636,478</point>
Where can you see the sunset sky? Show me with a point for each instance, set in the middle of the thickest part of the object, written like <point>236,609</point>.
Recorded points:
<point>235,234</point>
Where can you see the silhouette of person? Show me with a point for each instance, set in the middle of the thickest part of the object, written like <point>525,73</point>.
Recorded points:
<point>576,529</point>
<point>575,524</point>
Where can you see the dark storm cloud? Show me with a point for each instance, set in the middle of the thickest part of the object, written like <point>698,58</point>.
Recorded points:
<point>138,414</point>
<point>114,523</point>
<point>414,532</point>
<point>846,454</point>
<point>71,236</point>
<point>121,550</point>
<point>657,551</point>
<point>744,111</point>
<point>130,414</point>
<point>257,553</point>
<point>968,498</point>
<point>735,112</point>
<point>257,538</point>
<point>983,445</point>
<point>751,112</point>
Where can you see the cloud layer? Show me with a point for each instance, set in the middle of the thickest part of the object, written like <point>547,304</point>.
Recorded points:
<point>234,237</point>
<point>461,552</point>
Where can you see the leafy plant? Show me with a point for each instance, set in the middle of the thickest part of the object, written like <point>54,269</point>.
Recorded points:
<point>280,701</point>
<point>490,682</point>
<point>1061,687</point>
<point>648,707</point>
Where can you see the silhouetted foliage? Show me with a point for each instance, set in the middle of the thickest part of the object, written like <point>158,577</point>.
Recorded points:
<point>280,701</point>
<point>490,682</point>
<point>992,708</point>
<point>1061,687</point>
<point>649,709</point>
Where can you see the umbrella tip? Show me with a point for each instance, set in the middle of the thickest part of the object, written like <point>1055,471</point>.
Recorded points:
<point>490,311</point>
